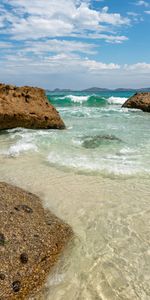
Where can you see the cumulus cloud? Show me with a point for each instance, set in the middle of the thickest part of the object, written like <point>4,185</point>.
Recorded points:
<point>50,18</point>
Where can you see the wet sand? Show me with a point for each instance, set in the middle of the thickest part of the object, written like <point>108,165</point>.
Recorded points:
<point>110,257</point>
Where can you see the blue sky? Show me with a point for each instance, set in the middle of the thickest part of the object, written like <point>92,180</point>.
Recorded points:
<point>75,43</point>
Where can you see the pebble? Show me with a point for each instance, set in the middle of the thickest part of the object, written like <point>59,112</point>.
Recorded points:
<point>24,207</point>
<point>16,285</point>
<point>24,258</point>
<point>2,276</point>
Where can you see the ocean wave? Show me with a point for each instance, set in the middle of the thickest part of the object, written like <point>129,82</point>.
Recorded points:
<point>86,100</point>
<point>76,99</point>
<point>117,100</point>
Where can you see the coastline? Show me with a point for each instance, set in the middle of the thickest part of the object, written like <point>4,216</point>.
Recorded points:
<point>110,218</point>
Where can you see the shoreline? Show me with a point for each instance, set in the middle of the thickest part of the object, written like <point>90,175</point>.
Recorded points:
<point>110,219</point>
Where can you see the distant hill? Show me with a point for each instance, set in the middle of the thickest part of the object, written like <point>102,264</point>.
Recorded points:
<point>95,90</point>
<point>98,90</point>
<point>125,90</point>
<point>59,91</point>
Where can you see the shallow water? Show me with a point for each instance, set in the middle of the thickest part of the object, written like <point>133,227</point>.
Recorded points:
<point>102,192</point>
<point>110,257</point>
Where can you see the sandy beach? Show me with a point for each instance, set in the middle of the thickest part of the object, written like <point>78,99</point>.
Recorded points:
<point>110,257</point>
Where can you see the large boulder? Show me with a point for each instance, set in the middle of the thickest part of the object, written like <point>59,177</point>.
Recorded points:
<point>139,101</point>
<point>27,107</point>
<point>31,240</point>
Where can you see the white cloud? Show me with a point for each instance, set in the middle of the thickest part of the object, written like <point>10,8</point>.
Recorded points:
<point>140,67</point>
<point>60,63</point>
<point>132,14</point>
<point>114,19</point>
<point>50,18</point>
<point>57,46</point>
<point>116,39</point>
<point>147,12</point>
<point>142,3</point>
<point>135,16</point>
<point>71,71</point>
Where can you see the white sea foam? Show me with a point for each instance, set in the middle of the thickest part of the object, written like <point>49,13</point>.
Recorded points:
<point>75,98</point>
<point>78,99</point>
<point>21,147</point>
<point>116,100</point>
<point>107,165</point>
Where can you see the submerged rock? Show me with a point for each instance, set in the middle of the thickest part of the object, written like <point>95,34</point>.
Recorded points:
<point>92,142</point>
<point>29,246</point>
<point>27,107</point>
<point>139,101</point>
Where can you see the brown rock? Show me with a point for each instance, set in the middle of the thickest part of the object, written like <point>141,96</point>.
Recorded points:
<point>27,107</point>
<point>30,246</point>
<point>139,101</point>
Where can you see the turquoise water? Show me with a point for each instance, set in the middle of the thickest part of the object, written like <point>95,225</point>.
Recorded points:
<point>101,136</point>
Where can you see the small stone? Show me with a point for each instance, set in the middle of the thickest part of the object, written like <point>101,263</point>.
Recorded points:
<point>24,258</point>
<point>2,276</point>
<point>16,285</point>
<point>24,207</point>
<point>49,222</point>
<point>2,239</point>
<point>36,235</point>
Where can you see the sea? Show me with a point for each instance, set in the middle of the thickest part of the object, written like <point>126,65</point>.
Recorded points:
<point>95,175</point>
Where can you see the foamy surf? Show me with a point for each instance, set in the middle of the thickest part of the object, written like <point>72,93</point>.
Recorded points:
<point>78,99</point>
<point>108,165</point>
<point>19,148</point>
<point>117,100</point>
<point>87,100</point>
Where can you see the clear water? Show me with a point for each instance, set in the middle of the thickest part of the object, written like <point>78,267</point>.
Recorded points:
<point>95,175</point>
<point>101,137</point>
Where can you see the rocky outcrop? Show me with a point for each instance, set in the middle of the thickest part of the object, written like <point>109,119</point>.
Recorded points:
<point>31,240</point>
<point>139,101</point>
<point>27,107</point>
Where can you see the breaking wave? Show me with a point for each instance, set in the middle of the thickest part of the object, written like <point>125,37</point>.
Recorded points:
<point>86,100</point>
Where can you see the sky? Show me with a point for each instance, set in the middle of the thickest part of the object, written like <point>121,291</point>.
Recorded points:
<point>75,44</point>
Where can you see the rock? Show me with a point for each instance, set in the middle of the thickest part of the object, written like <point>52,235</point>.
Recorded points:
<point>92,142</point>
<point>2,276</point>
<point>29,245</point>
<point>139,101</point>
<point>16,286</point>
<point>24,258</point>
<point>27,107</point>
